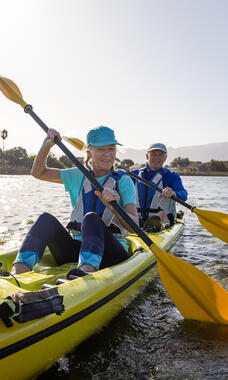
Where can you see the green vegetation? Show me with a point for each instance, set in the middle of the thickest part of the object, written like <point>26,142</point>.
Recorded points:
<point>17,161</point>
<point>127,163</point>
<point>186,167</point>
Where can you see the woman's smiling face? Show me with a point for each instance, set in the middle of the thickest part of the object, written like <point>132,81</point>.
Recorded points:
<point>103,158</point>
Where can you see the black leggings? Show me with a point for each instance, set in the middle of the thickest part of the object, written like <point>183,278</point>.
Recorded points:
<point>96,238</point>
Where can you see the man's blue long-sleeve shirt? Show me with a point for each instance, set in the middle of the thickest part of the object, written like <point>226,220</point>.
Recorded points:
<point>170,179</point>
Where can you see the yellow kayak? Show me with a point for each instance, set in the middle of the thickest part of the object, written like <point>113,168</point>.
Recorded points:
<point>90,302</point>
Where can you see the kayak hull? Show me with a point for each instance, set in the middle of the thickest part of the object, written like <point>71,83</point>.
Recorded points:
<point>90,302</point>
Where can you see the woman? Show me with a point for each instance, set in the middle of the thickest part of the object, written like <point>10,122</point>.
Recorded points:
<point>96,230</point>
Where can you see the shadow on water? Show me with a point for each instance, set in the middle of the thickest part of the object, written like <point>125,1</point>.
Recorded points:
<point>149,340</point>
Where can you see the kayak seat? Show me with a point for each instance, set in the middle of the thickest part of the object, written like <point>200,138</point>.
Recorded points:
<point>61,281</point>
<point>48,286</point>
<point>77,272</point>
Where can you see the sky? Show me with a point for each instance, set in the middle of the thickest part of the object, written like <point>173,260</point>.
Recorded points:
<point>152,70</point>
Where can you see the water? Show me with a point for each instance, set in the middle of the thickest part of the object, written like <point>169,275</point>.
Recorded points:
<point>149,339</point>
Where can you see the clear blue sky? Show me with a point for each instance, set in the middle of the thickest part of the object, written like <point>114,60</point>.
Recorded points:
<point>153,70</point>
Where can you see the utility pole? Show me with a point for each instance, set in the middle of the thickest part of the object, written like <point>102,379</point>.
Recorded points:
<point>4,135</point>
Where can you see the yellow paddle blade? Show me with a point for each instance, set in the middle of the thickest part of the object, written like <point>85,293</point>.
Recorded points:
<point>11,91</point>
<point>77,143</point>
<point>195,294</point>
<point>215,222</point>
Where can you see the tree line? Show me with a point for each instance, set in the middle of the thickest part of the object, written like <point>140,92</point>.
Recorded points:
<point>212,165</point>
<point>17,161</point>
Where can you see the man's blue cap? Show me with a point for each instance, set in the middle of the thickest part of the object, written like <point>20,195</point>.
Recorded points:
<point>101,136</point>
<point>158,146</point>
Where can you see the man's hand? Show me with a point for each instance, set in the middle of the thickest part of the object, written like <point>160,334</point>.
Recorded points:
<point>167,192</point>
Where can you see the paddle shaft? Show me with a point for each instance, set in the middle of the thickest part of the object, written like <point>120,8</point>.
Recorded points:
<point>91,178</point>
<point>196,295</point>
<point>215,222</point>
<point>153,186</point>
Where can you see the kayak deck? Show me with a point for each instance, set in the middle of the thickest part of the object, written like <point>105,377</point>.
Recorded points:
<point>47,272</point>
<point>90,302</point>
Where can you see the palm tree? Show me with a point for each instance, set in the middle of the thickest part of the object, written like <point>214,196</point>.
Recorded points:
<point>4,134</point>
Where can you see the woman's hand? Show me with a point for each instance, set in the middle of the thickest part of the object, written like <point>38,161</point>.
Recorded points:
<point>49,139</point>
<point>39,169</point>
<point>108,195</point>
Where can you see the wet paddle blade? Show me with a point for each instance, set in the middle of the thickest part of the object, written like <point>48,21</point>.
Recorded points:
<point>215,222</point>
<point>195,294</point>
<point>11,91</point>
<point>77,143</point>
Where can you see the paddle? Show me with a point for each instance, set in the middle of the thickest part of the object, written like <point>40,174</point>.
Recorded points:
<point>195,294</point>
<point>215,222</point>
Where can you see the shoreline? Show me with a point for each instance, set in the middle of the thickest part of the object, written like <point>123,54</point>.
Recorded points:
<point>21,171</point>
<point>202,174</point>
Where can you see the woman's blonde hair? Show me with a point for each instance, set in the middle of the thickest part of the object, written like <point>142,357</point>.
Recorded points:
<point>88,159</point>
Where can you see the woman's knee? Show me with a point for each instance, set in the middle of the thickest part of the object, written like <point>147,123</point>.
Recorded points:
<point>45,220</point>
<point>92,224</point>
<point>91,217</point>
<point>45,217</point>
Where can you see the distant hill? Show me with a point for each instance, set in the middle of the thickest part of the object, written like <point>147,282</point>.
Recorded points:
<point>203,153</point>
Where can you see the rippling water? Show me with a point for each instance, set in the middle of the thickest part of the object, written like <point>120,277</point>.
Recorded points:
<point>149,339</point>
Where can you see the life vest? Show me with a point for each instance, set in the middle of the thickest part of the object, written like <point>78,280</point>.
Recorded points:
<point>87,202</point>
<point>147,198</point>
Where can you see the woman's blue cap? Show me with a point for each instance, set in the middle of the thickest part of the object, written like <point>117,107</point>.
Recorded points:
<point>101,136</point>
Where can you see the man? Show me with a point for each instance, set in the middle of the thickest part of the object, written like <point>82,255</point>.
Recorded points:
<point>157,210</point>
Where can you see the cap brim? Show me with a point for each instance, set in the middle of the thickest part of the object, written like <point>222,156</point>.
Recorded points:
<point>103,143</point>
<point>164,151</point>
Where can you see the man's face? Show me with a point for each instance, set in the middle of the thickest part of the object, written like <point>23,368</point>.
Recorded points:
<point>156,159</point>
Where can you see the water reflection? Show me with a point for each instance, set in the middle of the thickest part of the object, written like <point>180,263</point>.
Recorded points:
<point>149,339</point>
<point>206,331</point>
